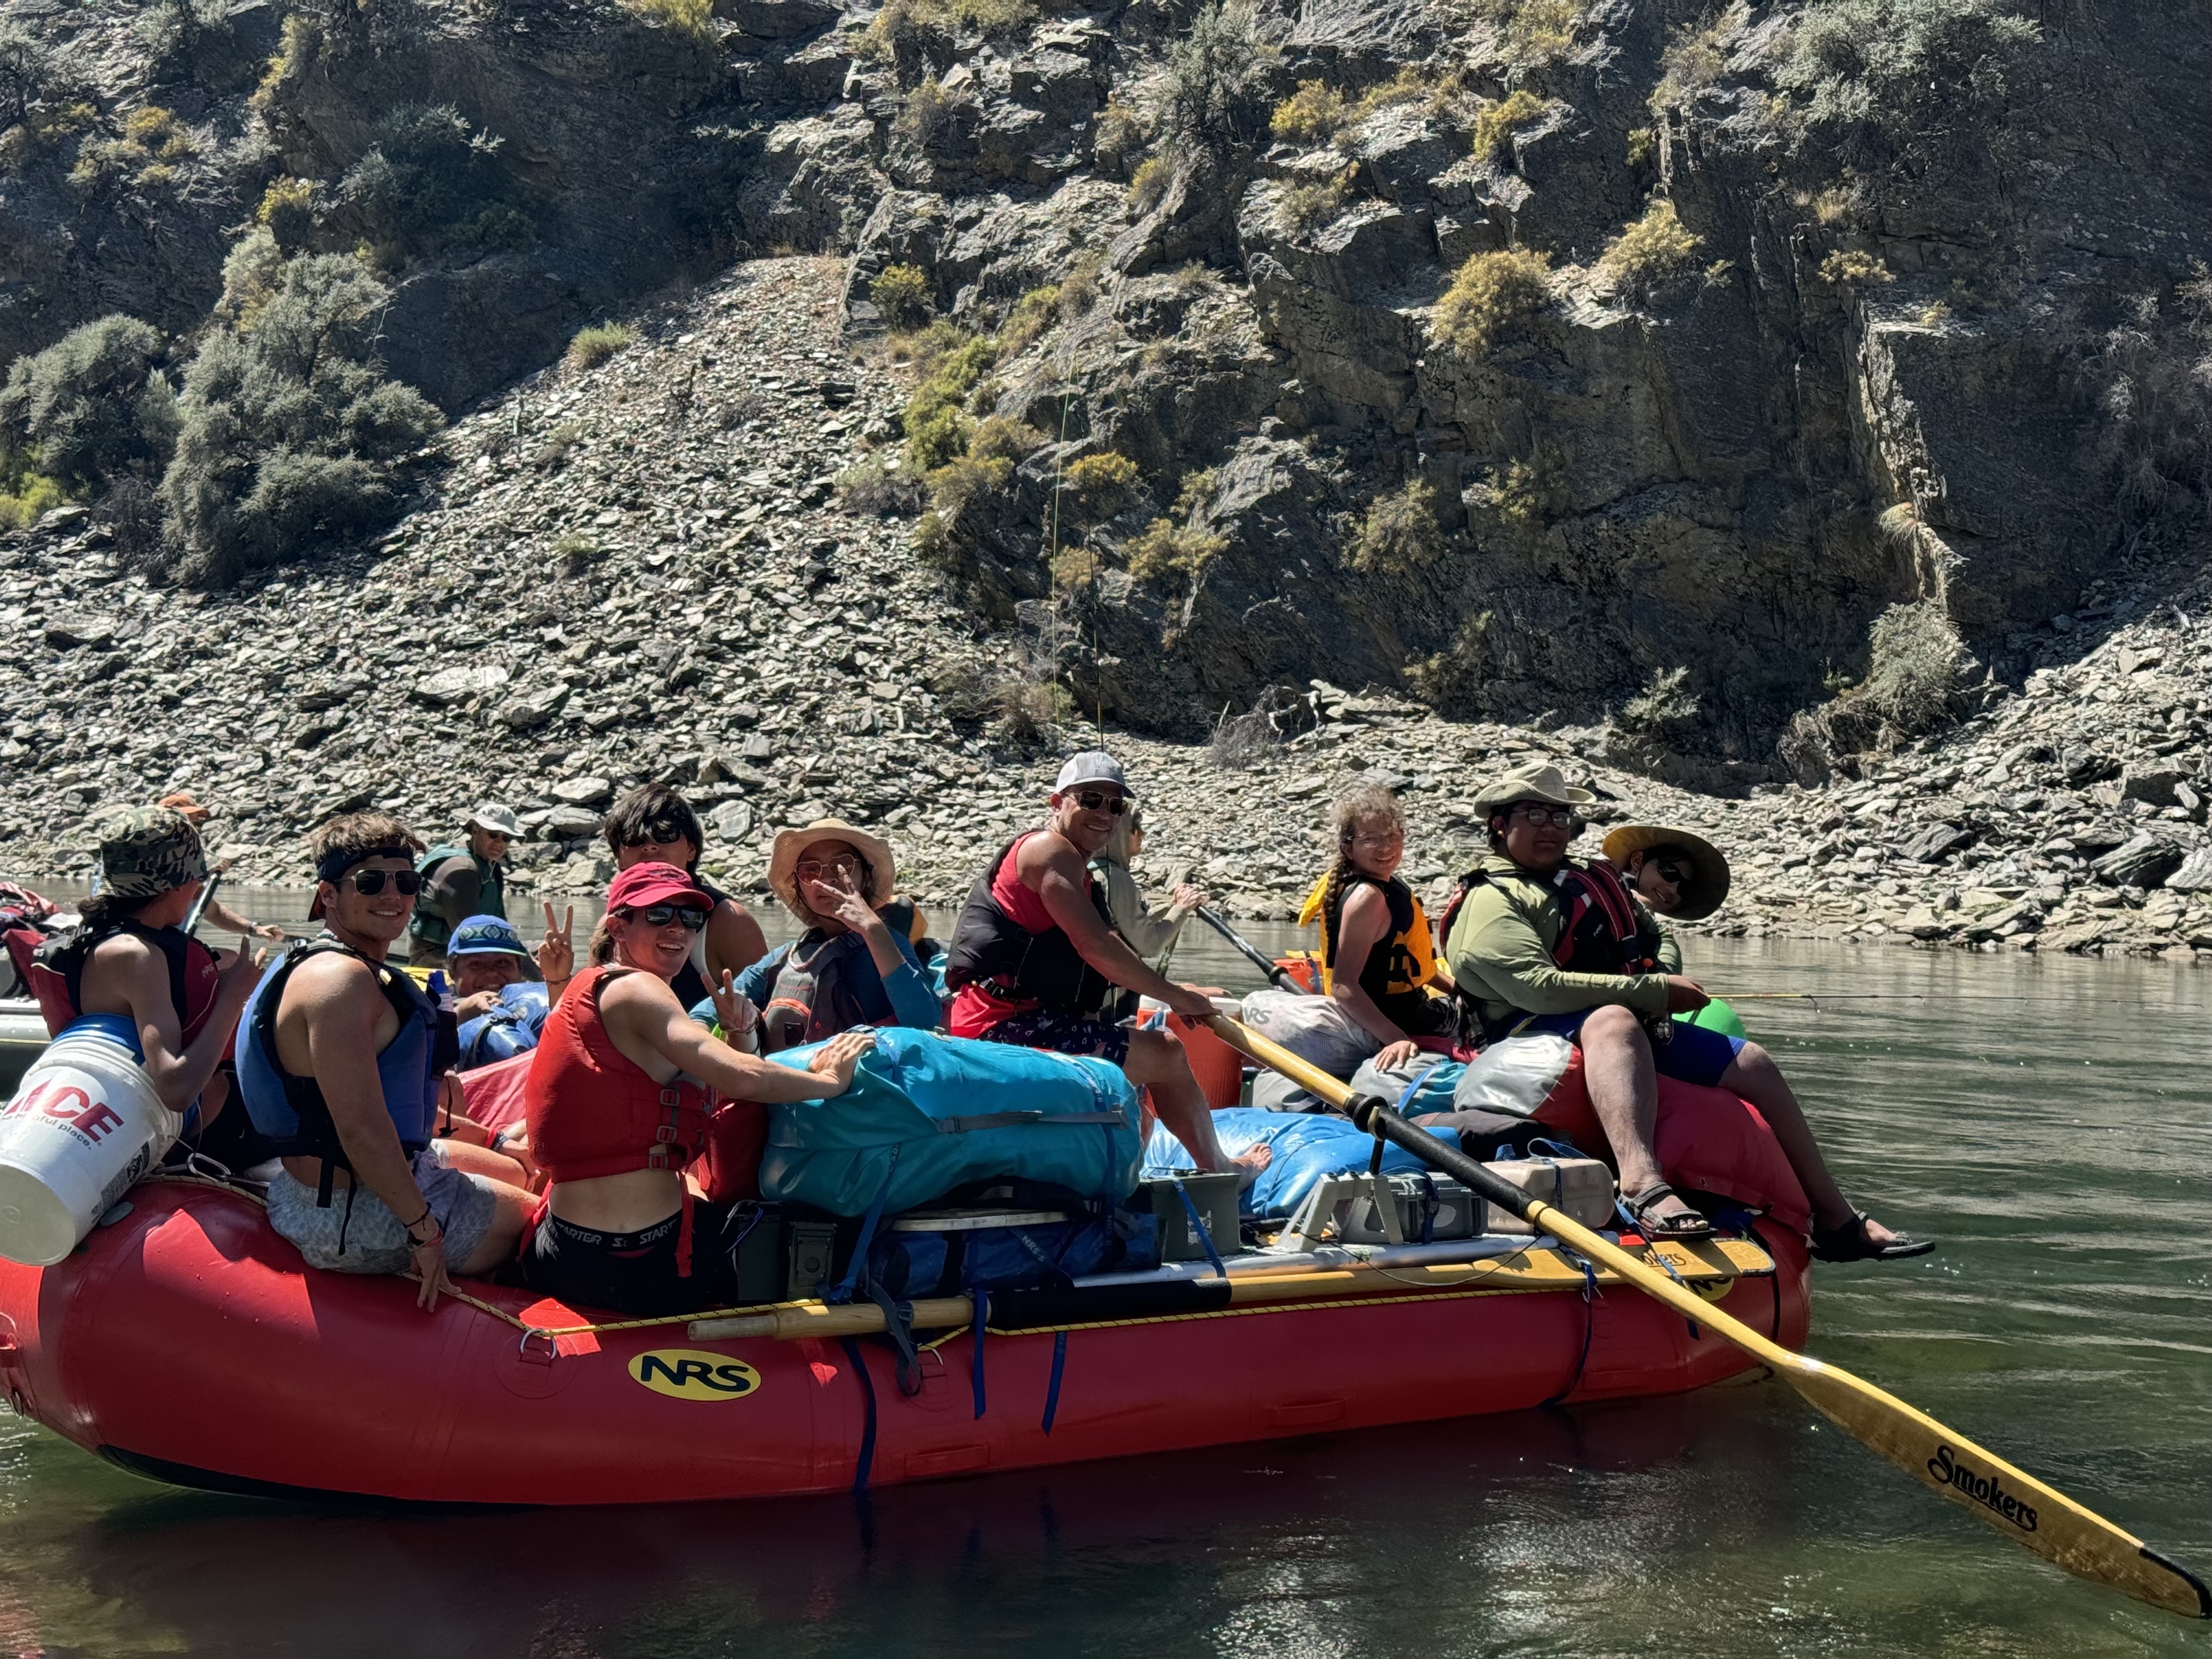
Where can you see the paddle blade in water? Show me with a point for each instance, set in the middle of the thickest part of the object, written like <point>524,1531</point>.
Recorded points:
<point>2031,1514</point>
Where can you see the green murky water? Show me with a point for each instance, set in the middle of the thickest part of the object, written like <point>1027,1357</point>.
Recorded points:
<point>2051,1122</point>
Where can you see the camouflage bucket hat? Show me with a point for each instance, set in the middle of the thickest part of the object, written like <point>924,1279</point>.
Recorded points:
<point>150,851</point>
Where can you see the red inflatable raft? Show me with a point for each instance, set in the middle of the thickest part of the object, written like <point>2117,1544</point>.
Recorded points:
<point>187,1342</point>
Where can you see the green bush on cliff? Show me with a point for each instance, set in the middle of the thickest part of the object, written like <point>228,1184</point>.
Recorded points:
<point>1531,32</point>
<point>1214,93</point>
<point>93,406</point>
<point>936,426</point>
<point>289,430</point>
<point>902,295</point>
<point>1491,292</point>
<point>1495,122</point>
<point>594,344</point>
<point>1894,77</point>
<point>1311,115</point>
<point>1915,663</point>
<point>1648,252</point>
<point>1402,532</point>
<point>429,184</point>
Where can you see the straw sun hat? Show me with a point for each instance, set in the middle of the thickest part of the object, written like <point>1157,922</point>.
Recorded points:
<point>790,843</point>
<point>1709,883</point>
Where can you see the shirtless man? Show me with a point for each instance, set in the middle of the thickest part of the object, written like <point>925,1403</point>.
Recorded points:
<point>1035,955</point>
<point>336,1064</point>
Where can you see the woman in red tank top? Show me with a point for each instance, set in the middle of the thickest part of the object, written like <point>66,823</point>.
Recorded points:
<point>617,1105</point>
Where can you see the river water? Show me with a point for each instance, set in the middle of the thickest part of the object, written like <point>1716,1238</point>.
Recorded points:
<point>2050,1121</point>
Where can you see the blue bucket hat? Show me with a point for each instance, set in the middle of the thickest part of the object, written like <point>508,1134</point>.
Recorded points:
<point>487,936</point>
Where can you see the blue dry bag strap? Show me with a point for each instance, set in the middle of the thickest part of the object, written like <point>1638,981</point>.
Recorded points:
<point>982,1299</point>
<point>1051,1388</point>
<point>1198,1226</point>
<point>961,1126</point>
<point>1410,1089</point>
<point>1589,1329</point>
<point>860,1364</point>
<point>842,1291</point>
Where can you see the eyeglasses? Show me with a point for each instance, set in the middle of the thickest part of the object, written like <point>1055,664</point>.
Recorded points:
<point>369,882</point>
<point>1673,874</point>
<point>1537,815</point>
<point>660,916</point>
<point>815,870</point>
<point>659,833</point>
<point>1098,800</point>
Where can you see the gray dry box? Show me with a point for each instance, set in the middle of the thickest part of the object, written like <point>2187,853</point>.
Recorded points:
<point>813,1250</point>
<point>1582,1186</point>
<point>1214,1197</point>
<point>1429,1211</point>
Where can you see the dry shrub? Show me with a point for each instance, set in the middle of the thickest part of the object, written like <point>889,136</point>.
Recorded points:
<point>1491,292</point>
<point>1403,531</point>
<point>1312,115</point>
<point>1647,252</point>
<point>1855,267</point>
<point>1100,483</point>
<point>592,346</point>
<point>903,295</point>
<point>1496,122</point>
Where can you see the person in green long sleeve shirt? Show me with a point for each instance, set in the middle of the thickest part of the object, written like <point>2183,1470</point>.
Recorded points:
<point>1538,944</point>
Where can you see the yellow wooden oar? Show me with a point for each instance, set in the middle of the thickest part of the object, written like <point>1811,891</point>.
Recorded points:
<point>2035,1516</point>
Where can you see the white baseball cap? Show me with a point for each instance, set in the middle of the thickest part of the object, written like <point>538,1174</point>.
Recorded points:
<point>1092,766</point>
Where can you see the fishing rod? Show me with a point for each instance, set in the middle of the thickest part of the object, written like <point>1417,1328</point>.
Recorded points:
<point>1259,958</point>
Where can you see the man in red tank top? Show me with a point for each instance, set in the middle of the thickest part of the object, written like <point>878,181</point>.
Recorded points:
<point>1041,890</point>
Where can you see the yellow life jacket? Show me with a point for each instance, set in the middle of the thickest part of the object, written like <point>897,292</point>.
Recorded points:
<point>1404,960</point>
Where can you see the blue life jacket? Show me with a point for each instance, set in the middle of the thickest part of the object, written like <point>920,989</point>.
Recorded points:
<point>291,1111</point>
<point>511,1028</point>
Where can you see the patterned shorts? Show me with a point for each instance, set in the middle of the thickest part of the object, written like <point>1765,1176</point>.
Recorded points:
<point>1064,1031</point>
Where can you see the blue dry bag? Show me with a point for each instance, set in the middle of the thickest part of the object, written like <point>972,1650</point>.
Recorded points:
<point>511,1029</point>
<point>1307,1145</point>
<point>926,1114</point>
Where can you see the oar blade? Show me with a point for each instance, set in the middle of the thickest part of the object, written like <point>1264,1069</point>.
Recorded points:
<point>2034,1515</point>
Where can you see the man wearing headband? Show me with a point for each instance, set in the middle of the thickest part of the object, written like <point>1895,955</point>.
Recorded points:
<point>130,956</point>
<point>337,1060</point>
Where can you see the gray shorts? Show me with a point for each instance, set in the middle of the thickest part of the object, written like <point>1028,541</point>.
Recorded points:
<point>375,1242</point>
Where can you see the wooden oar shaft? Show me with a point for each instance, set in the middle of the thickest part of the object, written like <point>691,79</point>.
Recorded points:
<point>2034,1514</point>
<point>1251,952</point>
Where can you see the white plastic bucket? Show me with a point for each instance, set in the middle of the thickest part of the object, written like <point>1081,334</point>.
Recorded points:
<point>84,1126</point>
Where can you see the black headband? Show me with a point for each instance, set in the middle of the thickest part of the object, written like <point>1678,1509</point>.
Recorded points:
<point>335,863</point>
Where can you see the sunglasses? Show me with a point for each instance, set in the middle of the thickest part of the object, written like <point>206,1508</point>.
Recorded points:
<point>1538,816</point>
<point>815,870</point>
<point>369,882</point>
<point>1097,800</point>
<point>660,916</point>
<point>662,834</point>
<point>1673,874</point>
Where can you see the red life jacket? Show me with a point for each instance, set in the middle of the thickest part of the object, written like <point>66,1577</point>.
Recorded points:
<point>593,1111</point>
<point>53,968</point>
<point>1604,933</point>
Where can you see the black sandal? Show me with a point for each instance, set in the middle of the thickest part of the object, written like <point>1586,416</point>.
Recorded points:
<point>1683,1228</point>
<point>1849,1242</point>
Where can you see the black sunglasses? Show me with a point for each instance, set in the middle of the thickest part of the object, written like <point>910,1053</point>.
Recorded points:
<point>1673,873</point>
<point>1097,800</point>
<point>660,916</point>
<point>369,882</point>
<point>661,832</point>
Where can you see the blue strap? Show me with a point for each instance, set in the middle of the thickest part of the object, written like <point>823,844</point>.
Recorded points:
<point>1198,1226</point>
<point>852,1358</point>
<point>1051,1388</point>
<point>1589,1329</point>
<point>975,1358</point>
<point>842,1291</point>
<point>1412,1089</point>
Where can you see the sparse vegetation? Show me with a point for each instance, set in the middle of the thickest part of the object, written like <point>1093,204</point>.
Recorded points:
<point>1915,665</point>
<point>1641,147</point>
<point>1529,492</point>
<point>1099,484</point>
<point>1027,320</point>
<point>91,407</point>
<point>963,477</point>
<point>1491,293</point>
<point>928,110</point>
<point>430,184</point>
<point>577,552</point>
<point>1150,182</point>
<point>289,427</point>
<point>935,424</point>
<point>1649,252</point>
<point>595,345</point>
<point>1212,93</point>
<point>1664,710</point>
<point>1855,267</point>
<point>904,295</point>
<point>693,17</point>
<point>875,485</point>
<point>1307,207</point>
<point>1120,133</point>
<point>26,70</point>
<point>1311,115</point>
<point>1695,58</point>
<point>1533,32</point>
<point>1174,549</point>
<point>2156,436</point>
<point>1494,126</point>
<point>1402,532</point>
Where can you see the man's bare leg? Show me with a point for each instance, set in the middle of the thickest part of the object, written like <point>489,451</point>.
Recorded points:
<point>1624,1093</point>
<point>1155,1061</point>
<point>1756,1076</point>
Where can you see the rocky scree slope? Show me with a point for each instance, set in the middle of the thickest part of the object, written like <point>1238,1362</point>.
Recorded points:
<point>649,570</point>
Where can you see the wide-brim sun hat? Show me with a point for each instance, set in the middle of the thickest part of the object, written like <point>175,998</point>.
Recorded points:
<point>1708,881</point>
<point>783,879</point>
<point>1537,781</point>
<point>500,820</point>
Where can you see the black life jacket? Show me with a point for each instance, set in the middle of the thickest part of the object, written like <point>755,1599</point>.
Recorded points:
<point>1604,933</point>
<point>989,948</point>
